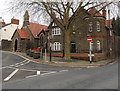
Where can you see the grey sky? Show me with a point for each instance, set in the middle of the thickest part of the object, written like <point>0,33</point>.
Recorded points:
<point>7,15</point>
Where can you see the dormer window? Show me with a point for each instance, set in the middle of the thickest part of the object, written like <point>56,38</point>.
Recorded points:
<point>98,26</point>
<point>90,26</point>
<point>56,31</point>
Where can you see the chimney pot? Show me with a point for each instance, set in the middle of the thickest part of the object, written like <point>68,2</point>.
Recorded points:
<point>14,21</point>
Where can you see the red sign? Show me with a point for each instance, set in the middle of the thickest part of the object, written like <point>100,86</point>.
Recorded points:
<point>89,39</point>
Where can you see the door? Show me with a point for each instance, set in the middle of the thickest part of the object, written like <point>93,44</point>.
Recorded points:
<point>73,47</point>
<point>16,45</point>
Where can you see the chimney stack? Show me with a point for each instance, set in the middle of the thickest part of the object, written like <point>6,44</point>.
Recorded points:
<point>3,22</point>
<point>104,12</point>
<point>14,21</point>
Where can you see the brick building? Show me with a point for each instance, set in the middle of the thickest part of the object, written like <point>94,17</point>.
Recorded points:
<point>26,37</point>
<point>97,27</point>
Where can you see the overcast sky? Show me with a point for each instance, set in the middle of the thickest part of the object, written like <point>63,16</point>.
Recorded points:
<point>7,15</point>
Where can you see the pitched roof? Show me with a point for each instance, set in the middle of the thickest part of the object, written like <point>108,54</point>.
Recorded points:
<point>108,23</point>
<point>22,34</point>
<point>36,28</point>
<point>93,11</point>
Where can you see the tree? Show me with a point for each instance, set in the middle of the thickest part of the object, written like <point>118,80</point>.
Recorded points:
<point>116,25</point>
<point>67,12</point>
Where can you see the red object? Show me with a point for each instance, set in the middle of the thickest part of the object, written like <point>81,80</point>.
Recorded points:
<point>36,29</point>
<point>89,39</point>
<point>36,48</point>
<point>15,21</point>
<point>22,34</point>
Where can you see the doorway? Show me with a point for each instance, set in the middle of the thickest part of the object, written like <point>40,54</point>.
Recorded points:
<point>73,47</point>
<point>16,45</point>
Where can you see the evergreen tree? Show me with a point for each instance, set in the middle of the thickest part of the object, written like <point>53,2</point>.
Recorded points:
<point>116,25</point>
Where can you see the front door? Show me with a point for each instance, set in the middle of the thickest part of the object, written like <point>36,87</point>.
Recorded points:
<point>16,45</point>
<point>73,47</point>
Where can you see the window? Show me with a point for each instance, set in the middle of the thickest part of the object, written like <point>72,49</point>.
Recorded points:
<point>56,46</point>
<point>54,24</point>
<point>56,31</point>
<point>91,46</point>
<point>98,46</point>
<point>98,26</point>
<point>90,27</point>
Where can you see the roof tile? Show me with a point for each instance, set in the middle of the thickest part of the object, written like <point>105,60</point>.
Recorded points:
<point>22,34</point>
<point>36,28</point>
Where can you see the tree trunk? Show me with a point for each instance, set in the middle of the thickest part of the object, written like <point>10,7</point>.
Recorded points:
<point>67,44</point>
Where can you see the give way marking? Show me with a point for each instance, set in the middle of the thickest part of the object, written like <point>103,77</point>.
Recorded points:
<point>11,75</point>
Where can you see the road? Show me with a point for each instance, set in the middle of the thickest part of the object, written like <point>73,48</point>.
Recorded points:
<point>19,73</point>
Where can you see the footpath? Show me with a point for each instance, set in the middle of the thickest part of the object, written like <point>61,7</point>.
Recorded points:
<point>57,61</point>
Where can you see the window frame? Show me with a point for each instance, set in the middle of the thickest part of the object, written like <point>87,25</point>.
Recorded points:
<point>98,45</point>
<point>90,26</point>
<point>56,31</point>
<point>56,46</point>
<point>98,26</point>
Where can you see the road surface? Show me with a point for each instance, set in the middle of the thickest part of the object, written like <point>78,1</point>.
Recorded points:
<point>19,73</point>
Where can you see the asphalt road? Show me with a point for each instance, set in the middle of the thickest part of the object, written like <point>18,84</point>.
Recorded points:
<point>26,75</point>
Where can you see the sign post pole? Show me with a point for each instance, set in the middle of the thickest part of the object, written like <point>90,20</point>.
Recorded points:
<point>90,56</point>
<point>89,39</point>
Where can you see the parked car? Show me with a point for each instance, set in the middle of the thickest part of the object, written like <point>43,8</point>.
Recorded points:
<point>34,52</point>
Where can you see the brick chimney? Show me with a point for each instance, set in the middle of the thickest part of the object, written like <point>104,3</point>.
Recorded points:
<point>3,22</point>
<point>14,21</point>
<point>104,12</point>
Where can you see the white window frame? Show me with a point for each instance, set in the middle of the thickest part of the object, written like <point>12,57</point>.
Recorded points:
<point>56,31</point>
<point>90,27</point>
<point>98,45</point>
<point>91,46</point>
<point>56,46</point>
<point>98,26</point>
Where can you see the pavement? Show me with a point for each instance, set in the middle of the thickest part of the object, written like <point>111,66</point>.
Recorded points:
<point>57,61</point>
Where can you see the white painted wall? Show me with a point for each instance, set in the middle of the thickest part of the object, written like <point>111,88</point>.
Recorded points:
<point>8,31</point>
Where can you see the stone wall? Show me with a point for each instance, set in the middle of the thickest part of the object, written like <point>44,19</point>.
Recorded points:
<point>6,45</point>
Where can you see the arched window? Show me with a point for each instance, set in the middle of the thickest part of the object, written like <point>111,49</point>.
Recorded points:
<point>98,26</point>
<point>56,31</point>
<point>90,26</point>
<point>98,45</point>
<point>56,46</point>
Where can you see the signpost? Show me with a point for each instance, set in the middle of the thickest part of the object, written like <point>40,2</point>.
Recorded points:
<point>89,39</point>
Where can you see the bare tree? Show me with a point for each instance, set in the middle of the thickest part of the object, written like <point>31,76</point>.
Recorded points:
<point>67,12</point>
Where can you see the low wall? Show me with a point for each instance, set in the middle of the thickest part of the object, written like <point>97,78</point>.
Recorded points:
<point>6,45</point>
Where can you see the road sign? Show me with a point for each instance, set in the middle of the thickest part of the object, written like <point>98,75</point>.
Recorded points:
<point>89,39</point>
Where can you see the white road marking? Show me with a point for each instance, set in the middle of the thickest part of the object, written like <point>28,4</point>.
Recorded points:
<point>38,72</point>
<point>63,70</point>
<point>49,73</point>
<point>11,75</point>
<point>21,63</point>
<point>4,67</point>
<point>31,76</point>
<point>18,63</point>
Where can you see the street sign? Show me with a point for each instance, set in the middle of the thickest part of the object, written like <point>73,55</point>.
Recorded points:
<point>89,39</point>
